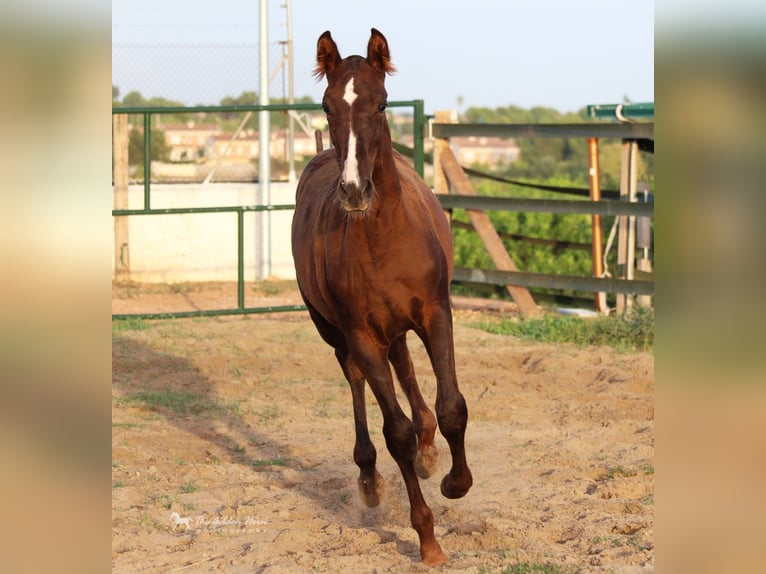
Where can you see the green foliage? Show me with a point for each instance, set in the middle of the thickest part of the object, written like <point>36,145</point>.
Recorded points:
<point>631,332</point>
<point>470,251</point>
<point>560,162</point>
<point>544,158</point>
<point>157,146</point>
<point>229,121</point>
<point>540,158</point>
<point>135,99</point>
<point>189,487</point>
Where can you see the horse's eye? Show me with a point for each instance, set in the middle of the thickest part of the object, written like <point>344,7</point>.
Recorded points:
<point>326,109</point>
<point>382,107</point>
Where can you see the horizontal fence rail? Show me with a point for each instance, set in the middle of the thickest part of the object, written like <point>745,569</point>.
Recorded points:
<point>634,131</point>
<point>211,312</point>
<point>240,309</point>
<point>187,210</point>
<point>549,281</point>
<point>622,112</point>
<point>570,206</point>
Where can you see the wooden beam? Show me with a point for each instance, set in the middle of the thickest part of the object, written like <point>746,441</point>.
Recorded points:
<point>481,222</point>
<point>120,175</point>
<point>441,185</point>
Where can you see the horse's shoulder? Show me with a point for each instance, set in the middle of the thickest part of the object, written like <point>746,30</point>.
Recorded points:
<point>318,174</point>
<point>318,163</point>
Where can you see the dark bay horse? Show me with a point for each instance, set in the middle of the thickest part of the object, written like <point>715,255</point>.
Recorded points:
<point>373,258</point>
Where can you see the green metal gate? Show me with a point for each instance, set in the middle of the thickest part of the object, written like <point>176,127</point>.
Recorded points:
<point>147,113</point>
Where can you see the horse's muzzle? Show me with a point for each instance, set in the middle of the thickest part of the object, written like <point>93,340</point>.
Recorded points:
<point>355,198</point>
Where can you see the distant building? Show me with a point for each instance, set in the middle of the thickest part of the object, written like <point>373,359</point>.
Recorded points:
<point>224,147</point>
<point>187,141</point>
<point>304,145</point>
<point>489,151</point>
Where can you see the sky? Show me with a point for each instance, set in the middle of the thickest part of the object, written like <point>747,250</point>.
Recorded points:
<point>485,53</point>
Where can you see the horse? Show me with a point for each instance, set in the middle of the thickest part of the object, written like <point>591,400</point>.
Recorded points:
<point>179,521</point>
<point>373,259</point>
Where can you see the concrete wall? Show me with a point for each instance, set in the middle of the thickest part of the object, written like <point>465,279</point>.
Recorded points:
<point>203,247</point>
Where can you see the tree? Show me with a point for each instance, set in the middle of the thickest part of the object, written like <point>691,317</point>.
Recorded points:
<point>158,147</point>
<point>133,99</point>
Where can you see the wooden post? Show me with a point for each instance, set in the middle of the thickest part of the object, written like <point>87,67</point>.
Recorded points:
<point>441,185</point>
<point>626,234</point>
<point>643,243</point>
<point>630,272</point>
<point>483,226</point>
<point>120,176</point>
<point>596,230</point>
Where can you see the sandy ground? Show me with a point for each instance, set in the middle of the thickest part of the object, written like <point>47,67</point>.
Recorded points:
<point>232,444</point>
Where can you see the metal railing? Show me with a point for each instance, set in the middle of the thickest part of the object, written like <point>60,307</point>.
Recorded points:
<point>627,209</point>
<point>147,113</point>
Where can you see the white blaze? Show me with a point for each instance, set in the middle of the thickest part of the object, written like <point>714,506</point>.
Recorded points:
<point>350,165</point>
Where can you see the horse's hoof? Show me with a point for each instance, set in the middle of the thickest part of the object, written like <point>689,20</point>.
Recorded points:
<point>455,489</point>
<point>371,490</point>
<point>433,556</point>
<point>425,461</point>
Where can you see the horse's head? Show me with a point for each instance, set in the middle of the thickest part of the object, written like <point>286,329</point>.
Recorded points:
<point>355,103</point>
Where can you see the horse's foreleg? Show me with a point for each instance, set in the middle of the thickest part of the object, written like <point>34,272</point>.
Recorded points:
<point>402,444</point>
<point>451,409</point>
<point>370,482</point>
<point>422,417</point>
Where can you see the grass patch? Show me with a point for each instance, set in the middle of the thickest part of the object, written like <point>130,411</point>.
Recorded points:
<point>181,402</point>
<point>277,461</point>
<point>527,568</point>
<point>614,471</point>
<point>127,425</point>
<point>268,413</point>
<point>164,500</point>
<point>188,488</point>
<point>129,324</point>
<point>274,287</point>
<point>632,332</point>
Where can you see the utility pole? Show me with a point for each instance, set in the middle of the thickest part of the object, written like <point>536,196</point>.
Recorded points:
<point>290,96</point>
<point>264,149</point>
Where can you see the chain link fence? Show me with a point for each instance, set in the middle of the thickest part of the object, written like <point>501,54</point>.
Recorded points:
<point>194,74</point>
<point>197,147</point>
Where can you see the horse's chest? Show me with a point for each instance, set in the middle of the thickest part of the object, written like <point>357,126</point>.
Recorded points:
<point>385,295</point>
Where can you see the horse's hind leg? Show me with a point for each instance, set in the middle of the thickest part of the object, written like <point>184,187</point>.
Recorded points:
<point>370,482</point>
<point>422,417</point>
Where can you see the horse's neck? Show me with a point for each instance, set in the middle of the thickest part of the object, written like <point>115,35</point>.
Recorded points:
<point>385,175</point>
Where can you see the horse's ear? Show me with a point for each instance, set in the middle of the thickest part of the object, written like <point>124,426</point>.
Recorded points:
<point>377,53</point>
<point>328,57</point>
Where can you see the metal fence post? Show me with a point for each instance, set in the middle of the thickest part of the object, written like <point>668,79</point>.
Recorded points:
<point>418,127</point>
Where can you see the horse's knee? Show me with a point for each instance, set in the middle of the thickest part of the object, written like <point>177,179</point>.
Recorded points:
<point>400,438</point>
<point>452,416</point>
